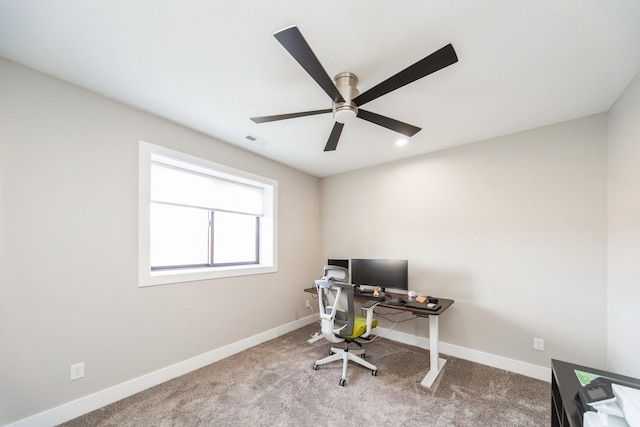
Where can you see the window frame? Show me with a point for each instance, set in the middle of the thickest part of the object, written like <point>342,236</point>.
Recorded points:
<point>267,248</point>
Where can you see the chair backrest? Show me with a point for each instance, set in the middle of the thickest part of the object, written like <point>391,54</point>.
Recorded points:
<point>336,306</point>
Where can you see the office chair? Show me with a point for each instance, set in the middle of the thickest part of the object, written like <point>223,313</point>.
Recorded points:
<point>339,320</point>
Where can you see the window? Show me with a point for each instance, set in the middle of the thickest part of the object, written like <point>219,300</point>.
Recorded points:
<point>201,220</point>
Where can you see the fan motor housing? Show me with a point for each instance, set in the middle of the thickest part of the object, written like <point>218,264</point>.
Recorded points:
<point>347,86</point>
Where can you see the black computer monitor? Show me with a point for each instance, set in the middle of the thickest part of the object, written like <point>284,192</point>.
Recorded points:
<point>386,273</point>
<point>339,262</point>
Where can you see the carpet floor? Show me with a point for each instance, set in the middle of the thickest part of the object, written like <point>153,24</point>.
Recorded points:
<point>273,384</point>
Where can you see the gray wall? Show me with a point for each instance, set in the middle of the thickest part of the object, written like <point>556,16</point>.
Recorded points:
<point>513,229</point>
<point>623,343</point>
<point>68,249</point>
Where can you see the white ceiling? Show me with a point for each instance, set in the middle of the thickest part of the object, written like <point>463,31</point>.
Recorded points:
<point>210,65</point>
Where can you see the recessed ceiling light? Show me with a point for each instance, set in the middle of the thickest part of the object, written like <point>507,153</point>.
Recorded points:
<point>401,142</point>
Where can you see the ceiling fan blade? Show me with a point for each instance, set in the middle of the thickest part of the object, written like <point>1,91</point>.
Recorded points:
<point>297,46</point>
<point>436,61</point>
<point>332,143</point>
<point>265,119</point>
<point>389,123</point>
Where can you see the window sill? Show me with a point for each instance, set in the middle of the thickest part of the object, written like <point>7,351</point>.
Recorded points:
<point>166,277</point>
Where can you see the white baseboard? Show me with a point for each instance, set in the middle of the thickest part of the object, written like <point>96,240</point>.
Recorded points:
<point>511,365</point>
<point>86,404</point>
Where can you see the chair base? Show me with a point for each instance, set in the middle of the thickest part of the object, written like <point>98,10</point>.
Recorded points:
<point>346,355</point>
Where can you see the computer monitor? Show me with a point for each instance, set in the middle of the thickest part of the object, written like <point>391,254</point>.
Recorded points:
<point>385,273</point>
<point>339,262</point>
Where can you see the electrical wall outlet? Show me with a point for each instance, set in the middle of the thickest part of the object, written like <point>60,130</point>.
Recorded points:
<point>77,371</point>
<point>538,344</point>
<point>308,305</point>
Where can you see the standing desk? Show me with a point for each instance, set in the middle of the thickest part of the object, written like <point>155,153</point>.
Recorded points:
<point>435,362</point>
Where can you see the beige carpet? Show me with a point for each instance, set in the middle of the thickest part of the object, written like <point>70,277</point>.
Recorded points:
<point>273,384</point>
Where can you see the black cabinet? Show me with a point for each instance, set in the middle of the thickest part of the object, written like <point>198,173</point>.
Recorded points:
<point>565,409</point>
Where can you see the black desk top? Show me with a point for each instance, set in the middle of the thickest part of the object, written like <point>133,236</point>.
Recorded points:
<point>444,303</point>
<point>568,386</point>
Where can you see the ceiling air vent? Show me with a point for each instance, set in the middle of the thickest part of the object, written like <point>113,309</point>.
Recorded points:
<point>257,140</point>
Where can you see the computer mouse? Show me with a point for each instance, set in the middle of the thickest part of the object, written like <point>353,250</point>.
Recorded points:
<point>431,305</point>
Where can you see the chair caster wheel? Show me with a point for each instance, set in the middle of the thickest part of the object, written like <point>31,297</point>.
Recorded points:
<point>343,382</point>
<point>330,352</point>
<point>374,372</point>
<point>315,366</point>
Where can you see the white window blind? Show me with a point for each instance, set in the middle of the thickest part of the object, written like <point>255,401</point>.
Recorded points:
<point>176,186</point>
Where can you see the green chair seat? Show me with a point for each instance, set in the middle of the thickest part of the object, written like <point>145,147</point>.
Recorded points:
<point>360,327</point>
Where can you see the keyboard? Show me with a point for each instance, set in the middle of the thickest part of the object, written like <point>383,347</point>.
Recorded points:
<point>368,296</point>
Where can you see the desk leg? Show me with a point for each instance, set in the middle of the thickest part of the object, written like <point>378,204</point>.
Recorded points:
<point>436,363</point>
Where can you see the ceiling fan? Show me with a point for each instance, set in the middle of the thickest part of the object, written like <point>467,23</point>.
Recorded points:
<point>343,89</point>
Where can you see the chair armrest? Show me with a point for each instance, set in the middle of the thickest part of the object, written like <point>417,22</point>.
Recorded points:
<point>368,307</point>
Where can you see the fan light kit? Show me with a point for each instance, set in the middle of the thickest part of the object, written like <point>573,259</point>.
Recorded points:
<point>343,89</point>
